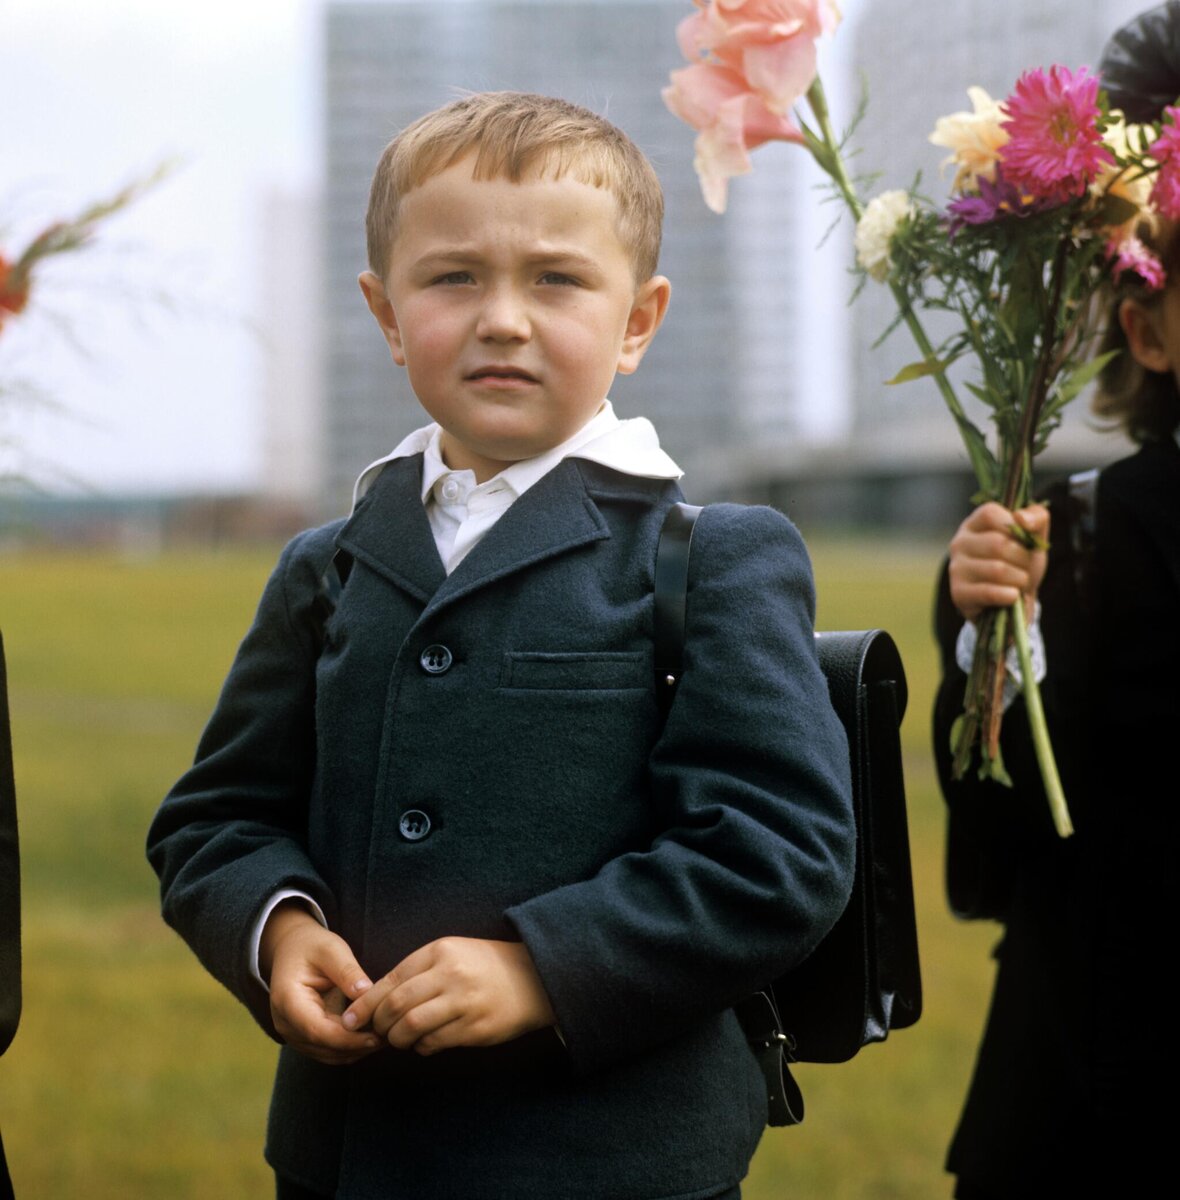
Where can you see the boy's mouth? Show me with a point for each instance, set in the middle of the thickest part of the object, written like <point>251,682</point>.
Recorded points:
<point>498,372</point>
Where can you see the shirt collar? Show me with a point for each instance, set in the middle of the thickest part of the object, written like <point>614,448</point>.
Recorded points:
<point>630,447</point>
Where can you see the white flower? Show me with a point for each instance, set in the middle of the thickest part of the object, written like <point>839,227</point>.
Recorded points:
<point>975,138</point>
<point>876,229</point>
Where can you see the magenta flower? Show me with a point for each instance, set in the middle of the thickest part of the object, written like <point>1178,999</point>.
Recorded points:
<point>1132,255</point>
<point>1054,149</point>
<point>1165,192</point>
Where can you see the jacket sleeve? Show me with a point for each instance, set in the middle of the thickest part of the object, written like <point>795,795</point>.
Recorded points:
<point>752,862</point>
<point>232,832</point>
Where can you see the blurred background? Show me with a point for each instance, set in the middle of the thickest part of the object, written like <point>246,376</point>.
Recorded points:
<point>205,379</point>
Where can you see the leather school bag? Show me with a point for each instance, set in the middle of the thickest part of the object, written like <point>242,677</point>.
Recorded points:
<point>863,979</point>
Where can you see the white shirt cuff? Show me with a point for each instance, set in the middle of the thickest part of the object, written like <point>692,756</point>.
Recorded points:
<point>965,652</point>
<point>264,916</point>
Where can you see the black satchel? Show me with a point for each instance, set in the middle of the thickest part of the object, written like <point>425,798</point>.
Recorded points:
<point>863,979</point>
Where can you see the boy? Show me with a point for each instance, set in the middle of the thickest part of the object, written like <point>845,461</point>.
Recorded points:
<point>503,910</point>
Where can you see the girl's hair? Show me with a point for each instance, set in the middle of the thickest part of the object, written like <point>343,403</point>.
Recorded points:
<point>1146,404</point>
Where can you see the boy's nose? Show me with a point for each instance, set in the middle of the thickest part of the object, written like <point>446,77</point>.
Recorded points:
<point>504,317</point>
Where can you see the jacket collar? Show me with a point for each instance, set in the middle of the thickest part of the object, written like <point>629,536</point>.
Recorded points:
<point>389,531</point>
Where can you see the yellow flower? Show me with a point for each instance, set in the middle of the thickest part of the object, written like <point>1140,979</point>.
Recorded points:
<point>1128,183</point>
<point>974,139</point>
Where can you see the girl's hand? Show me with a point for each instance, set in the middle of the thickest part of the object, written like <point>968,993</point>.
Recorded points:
<point>989,567</point>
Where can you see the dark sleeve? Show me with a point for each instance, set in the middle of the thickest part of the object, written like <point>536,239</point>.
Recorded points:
<point>10,958</point>
<point>994,832</point>
<point>232,832</point>
<point>751,794</point>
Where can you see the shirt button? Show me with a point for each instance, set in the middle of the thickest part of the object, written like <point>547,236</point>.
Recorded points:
<point>451,489</point>
<point>414,825</point>
<point>435,659</point>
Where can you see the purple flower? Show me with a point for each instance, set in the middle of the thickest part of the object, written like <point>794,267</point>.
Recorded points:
<point>997,199</point>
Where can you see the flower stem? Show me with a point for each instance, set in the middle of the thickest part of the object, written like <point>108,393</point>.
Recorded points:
<point>1039,727</point>
<point>827,155</point>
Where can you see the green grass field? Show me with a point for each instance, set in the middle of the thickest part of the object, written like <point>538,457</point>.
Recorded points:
<point>135,1075</point>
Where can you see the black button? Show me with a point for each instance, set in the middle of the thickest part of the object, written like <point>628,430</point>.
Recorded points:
<point>414,825</point>
<point>435,660</point>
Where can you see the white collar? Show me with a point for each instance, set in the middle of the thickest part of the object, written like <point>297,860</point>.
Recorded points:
<point>630,447</point>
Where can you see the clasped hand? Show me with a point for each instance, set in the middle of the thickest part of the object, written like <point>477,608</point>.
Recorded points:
<point>451,992</point>
<point>989,566</point>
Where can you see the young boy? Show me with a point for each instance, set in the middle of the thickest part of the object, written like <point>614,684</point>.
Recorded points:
<point>502,908</point>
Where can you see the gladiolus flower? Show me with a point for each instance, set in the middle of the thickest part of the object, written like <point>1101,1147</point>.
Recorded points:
<point>1054,149</point>
<point>882,218</point>
<point>732,121</point>
<point>1132,255</point>
<point>752,61</point>
<point>1165,194</point>
<point>14,293</point>
<point>974,138</point>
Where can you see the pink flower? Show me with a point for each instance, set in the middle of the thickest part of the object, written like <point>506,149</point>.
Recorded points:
<point>1165,193</point>
<point>1132,255</point>
<point>1054,149</point>
<point>732,121</point>
<point>753,60</point>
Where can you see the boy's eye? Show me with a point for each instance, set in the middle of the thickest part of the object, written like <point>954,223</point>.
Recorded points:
<point>557,277</point>
<point>453,277</point>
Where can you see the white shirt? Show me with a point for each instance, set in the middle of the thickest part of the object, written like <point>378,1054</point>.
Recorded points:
<point>461,512</point>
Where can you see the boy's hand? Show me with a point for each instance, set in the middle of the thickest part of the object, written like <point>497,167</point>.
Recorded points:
<point>313,974</point>
<point>455,992</point>
<point>989,566</point>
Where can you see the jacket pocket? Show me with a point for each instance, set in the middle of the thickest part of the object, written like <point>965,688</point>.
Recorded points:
<point>623,670</point>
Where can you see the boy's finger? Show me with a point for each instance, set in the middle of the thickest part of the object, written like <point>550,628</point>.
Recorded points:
<point>303,1021</point>
<point>339,965</point>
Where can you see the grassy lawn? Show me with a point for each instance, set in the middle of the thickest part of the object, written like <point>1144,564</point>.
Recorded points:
<point>134,1075</point>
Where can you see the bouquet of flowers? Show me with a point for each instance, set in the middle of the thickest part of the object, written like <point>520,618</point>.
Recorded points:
<point>1052,199</point>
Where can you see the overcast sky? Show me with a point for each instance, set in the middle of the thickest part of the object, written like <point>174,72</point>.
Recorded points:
<point>148,342</point>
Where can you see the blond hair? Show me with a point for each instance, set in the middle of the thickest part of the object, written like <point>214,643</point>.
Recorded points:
<point>513,134</point>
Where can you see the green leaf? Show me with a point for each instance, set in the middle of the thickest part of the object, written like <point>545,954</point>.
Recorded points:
<point>1116,210</point>
<point>918,370</point>
<point>1077,379</point>
<point>993,768</point>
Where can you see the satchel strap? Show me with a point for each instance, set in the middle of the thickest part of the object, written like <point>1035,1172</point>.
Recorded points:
<point>671,598</point>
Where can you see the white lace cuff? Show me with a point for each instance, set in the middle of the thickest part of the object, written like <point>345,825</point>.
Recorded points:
<point>965,652</point>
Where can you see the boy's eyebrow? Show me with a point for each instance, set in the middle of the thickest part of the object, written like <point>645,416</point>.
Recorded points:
<point>463,254</point>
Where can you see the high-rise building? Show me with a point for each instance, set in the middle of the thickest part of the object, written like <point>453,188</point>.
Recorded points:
<point>724,373</point>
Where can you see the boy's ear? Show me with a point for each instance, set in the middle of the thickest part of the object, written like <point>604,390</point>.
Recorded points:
<point>1141,325</point>
<point>381,308</point>
<point>647,314</point>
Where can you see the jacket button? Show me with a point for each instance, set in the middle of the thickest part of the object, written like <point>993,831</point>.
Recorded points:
<point>414,825</point>
<point>436,659</point>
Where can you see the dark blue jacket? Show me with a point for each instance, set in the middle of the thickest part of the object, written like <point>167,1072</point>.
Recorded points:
<point>657,872</point>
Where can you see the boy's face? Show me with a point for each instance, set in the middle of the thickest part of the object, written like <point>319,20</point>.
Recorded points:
<point>512,306</point>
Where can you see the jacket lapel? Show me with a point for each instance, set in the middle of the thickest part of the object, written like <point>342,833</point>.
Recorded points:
<point>389,531</point>
<point>554,516</point>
